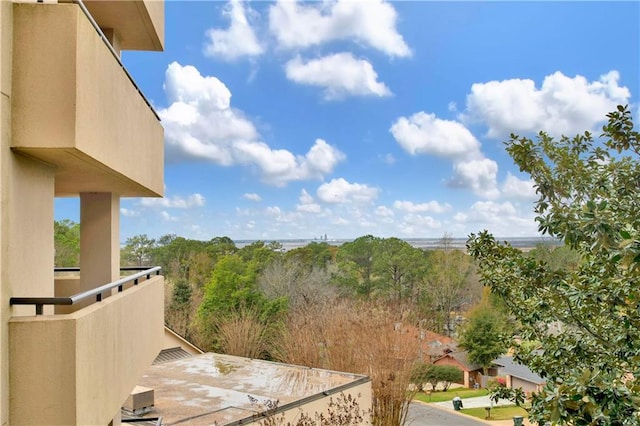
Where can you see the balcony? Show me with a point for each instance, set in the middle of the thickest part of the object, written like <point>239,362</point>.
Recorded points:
<point>79,368</point>
<point>74,106</point>
<point>139,23</point>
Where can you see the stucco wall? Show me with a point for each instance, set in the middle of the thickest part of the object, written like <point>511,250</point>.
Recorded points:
<point>26,216</point>
<point>526,386</point>
<point>361,392</point>
<point>173,340</point>
<point>6,28</point>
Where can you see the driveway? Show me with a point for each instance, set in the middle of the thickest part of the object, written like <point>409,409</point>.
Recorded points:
<point>476,402</point>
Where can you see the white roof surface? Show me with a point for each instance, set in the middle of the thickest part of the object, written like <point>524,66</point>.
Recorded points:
<point>215,389</point>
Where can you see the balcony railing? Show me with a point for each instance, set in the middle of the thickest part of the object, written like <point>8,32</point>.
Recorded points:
<point>78,367</point>
<point>39,302</point>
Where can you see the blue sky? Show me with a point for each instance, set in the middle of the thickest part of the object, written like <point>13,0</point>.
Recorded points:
<point>298,119</point>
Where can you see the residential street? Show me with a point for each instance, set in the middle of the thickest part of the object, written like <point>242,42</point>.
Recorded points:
<point>428,415</point>
<point>442,414</point>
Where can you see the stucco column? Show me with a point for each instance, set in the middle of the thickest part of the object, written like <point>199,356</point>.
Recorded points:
<point>117,420</point>
<point>99,239</point>
<point>110,34</point>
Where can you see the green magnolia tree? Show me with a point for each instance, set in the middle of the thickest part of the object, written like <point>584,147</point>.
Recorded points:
<point>587,319</point>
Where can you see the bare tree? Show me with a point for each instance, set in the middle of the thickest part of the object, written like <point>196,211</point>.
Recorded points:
<point>301,285</point>
<point>449,280</point>
<point>360,339</point>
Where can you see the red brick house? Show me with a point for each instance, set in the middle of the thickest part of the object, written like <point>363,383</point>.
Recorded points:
<point>472,372</point>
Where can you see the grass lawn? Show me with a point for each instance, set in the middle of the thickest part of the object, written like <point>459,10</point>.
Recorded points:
<point>497,413</point>
<point>439,396</point>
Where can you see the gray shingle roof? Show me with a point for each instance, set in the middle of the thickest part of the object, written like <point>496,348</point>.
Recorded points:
<point>462,357</point>
<point>510,367</point>
<point>171,354</point>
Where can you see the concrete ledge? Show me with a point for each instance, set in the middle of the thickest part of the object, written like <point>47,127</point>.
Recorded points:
<point>140,400</point>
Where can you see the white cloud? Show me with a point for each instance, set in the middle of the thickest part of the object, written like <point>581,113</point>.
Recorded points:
<point>252,197</point>
<point>383,211</point>
<point>175,202</point>
<point>424,133</point>
<point>340,221</point>
<point>341,191</point>
<point>478,175</point>
<point>562,105</point>
<point>414,224</point>
<point>321,159</point>
<point>200,124</point>
<point>273,211</point>
<point>431,206</point>
<point>128,212</point>
<point>340,74</point>
<point>305,198</point>
<point>309,208</point>
<point>238,40</point>
<point>307,203</point>
<point>282,216</point>
<point>501,219</point>
<point>186,86</point>
<point>281,166</point>
<point>514,188</point>
<point>372,22</point>
<point>389,159</point>
<point>167,217</point>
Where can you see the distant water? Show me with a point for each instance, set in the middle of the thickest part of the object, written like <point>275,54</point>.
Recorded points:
<point>423,243</point>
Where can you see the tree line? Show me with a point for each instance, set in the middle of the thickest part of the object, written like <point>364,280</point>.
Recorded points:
<point>573,311</point>
<point>208,277</point>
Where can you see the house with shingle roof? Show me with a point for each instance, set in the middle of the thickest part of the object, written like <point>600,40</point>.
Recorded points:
<point>472,372</point>
<point>518,375</point>
<point>431,346</point>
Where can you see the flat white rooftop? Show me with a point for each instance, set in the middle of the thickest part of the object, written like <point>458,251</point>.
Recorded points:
<point>215,389</point>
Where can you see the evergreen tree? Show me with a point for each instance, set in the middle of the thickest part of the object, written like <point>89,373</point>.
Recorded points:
<point>587,320</point>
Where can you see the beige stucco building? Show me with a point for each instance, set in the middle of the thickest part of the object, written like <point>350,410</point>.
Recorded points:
<point>74,124</point>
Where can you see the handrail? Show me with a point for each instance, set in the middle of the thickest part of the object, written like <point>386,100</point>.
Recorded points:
<point>113,52</point>
<point>77,268</point>
<point>39,302</point>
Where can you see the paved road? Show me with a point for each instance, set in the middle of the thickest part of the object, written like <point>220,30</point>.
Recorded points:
<point>427,415</point>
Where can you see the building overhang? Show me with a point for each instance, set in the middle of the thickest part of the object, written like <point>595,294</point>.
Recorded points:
<point>138,24</point>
